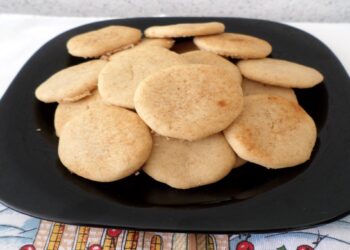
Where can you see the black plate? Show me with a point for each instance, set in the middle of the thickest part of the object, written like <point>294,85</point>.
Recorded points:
<point>33,181</point>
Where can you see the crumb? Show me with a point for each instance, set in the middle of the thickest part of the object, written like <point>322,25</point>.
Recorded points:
<point>105,57</point>
<point>137,173</point>
<point>38,129</point>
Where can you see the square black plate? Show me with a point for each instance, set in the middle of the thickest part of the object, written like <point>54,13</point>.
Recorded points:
<point>251,198</point>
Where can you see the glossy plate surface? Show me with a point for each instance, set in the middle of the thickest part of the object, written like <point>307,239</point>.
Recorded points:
<point>251,198</point>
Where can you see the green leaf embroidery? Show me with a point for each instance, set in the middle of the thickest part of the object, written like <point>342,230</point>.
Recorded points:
<point>282,248</point>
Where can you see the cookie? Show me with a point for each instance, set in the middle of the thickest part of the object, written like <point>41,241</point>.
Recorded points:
<point>67,111</point>
<point>103,41</point>
<point>234,45</point>
<point>205,57</point>
<point>272,132</point>
<point>70,84</point>
<point>239,162</point>
<point>255,88</point>
<point>119,79</point>
<point>280,73</point>
<point>105,144</point>
<point>183,164</point>
<point>162,42</point>
<point>190,101</point>
<point>185,30</point>
<point>184,46</point>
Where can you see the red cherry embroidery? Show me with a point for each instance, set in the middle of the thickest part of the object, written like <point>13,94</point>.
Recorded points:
<point>305,247</point>
<point>245,245</point>
<point>113,232</point>
<point>95,247</point>
<point>28,247</point>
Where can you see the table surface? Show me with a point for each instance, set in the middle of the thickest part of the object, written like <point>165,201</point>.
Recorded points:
<point>21,36</point>
<point>281,10</point>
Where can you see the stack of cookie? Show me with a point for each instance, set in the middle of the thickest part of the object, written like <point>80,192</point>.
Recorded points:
<point>180,110</point>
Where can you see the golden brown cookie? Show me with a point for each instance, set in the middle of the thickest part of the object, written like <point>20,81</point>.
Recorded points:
<point>70,84</point>
<point>255,88</point>
<point>190,101</point>
<point>272,132</point>
<point>119,79</point>
<point>234,45</point>
<point>104,144</point>
<point>239,162</point>
<point>162,42</point>
<point>185,30</point>
<point>68,110</point>
<point>103,41</point>
<point>183,164</point>
<point>280,73</point>
<point>205,57</point>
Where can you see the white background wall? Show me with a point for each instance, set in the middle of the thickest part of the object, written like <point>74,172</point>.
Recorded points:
<point>281,10</point>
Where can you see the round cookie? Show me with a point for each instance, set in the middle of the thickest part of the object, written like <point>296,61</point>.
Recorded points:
<point>205,57</point>
<point>68,110</point>
<point>162,42</point>
<point>255,88</point>
<point>280,73</point>
<point>103,41</point>
<point>234,45</point>
<point>70,84</point>
<point>239,162</point>
<point>272,132</point>
<point>183,164</point>
<point>118,81</point>
<point>190,101</point>
<point>105,144</point>
<point>185,30</point>
<point>184,46</point>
